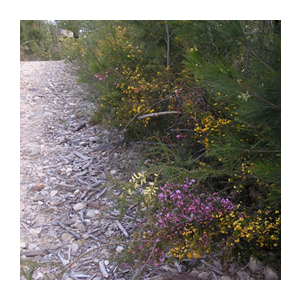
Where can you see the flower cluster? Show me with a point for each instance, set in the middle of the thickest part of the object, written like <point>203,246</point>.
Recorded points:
<point>189,216</point>
<point>148,189</point>
<point>184,221</point>
<point>260,230</point>
<point>209,125</point>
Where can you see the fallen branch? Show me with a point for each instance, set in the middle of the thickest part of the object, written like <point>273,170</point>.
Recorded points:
<point>159,114</point>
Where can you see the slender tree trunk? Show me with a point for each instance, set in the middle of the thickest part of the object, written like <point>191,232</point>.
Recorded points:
<point>168,48</point>
<point>168,44</point>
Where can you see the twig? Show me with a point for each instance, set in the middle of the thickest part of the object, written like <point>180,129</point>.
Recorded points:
<point>103,269</point>
<point>212,267</point>
<point>93,276</point>
<point>81,126</point>
<point>265,64</point>
<point>69,230</point>
<point>81,155</point>
<point>159,114</point>
<point>81,173</point>
<point>87,164</point>
<point>64,261</point>
<point>216,278</point>
<point>24,225</point>
<point>177,265</point>
<point>122,228</point>
<point>141,269</point>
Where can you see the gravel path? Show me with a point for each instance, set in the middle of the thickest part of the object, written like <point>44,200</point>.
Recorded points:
<point>67,204</point>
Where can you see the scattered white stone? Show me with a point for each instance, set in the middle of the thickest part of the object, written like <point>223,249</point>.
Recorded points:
<point>113,172</point>
<point>119,249</point>
<point>96,223</point>
<point>22,245</point>
<point>52,233</point>
<point>74,248</point>
<point>203,276</point>
<point>194,273</point>
<point>53,193</point>
<point>38,276</point>
<point>66,237</point>
<point>32,246</point>
<point>76,192</point>
<point>69,171</point>
<point>255,265</point>
<point>225,277</point>
<point>90,214</point>
<point>79,206</point>
<point>104,253</point>
<point>85,236</point>
<point>47,114</point>
<point>109,233</point>
<point>270,274</point>
<point>94,139</point>
<point>242,275</point>
<point>35,231</point>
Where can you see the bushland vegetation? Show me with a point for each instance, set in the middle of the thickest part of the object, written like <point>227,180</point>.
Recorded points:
<point>205,98</point>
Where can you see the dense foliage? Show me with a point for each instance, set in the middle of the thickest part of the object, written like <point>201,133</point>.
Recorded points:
<point>206,96</point>
<point>39,40</point>
<point>35,40</point>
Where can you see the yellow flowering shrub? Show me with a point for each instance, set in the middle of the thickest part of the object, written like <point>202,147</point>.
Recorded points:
<point>261,230</point>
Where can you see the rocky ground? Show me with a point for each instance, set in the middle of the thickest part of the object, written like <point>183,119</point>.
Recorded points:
<point>70,227</point>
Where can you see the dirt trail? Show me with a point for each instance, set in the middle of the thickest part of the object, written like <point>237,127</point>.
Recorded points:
<point>67,205</point>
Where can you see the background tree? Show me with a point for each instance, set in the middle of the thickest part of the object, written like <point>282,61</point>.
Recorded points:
<point>242,71</point>
<point>35,40</point>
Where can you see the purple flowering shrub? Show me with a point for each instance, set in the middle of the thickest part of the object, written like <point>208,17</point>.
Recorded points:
<point>185,221</point>
<point>188,218</point>
<point>182,204</point>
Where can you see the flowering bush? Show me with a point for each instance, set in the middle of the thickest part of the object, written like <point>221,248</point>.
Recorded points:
<point>184,221</point>
<point>224,128</point>
<point>186,218</point>
<point>256,232</point>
